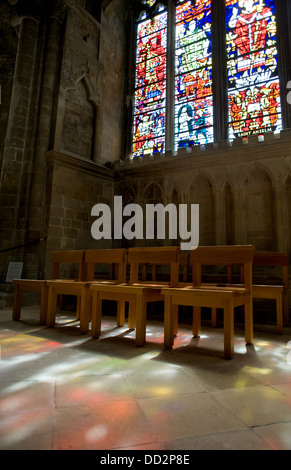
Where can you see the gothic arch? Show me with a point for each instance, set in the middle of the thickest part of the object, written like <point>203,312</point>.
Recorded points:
<point>128,195</point>
<point>260,167</point>
<point>201,192</point>
<point>258,210</point>
<point>153,193</point>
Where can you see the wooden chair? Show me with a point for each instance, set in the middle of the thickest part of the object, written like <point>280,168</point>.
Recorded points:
<point>115,259</point>
<point>138,291</point>
<point>58,259</point>
<point>279,293</point>
<point>198,295</point>
<point>183,271</point>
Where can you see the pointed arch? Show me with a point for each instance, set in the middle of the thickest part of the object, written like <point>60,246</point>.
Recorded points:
<point>259,210</point>
<point>201,192</point>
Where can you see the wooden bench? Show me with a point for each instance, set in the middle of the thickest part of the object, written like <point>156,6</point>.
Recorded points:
<point>58,259</point>
<point>183,271</point>
<point>138,292</point>
<point>115,259</point>
<point>279,293</point>
<point>227,298</point>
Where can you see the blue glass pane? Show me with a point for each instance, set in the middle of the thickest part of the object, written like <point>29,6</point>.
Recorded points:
<point>193,84</point>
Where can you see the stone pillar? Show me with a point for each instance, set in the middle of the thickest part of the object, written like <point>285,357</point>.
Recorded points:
<point>36,228</point>
<point>14,156</point>
<point>44,131</point>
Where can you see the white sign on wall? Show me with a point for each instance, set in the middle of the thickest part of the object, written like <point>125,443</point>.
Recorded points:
<point>14,272</point>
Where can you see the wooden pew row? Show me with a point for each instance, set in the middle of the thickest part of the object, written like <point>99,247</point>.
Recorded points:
<point>276,292</point>
<point>81,289</point>
<point>146,293</point>
<point>137,292</point>
<point>198,295</point>
<point>58,259</point>
<point>115,259</point>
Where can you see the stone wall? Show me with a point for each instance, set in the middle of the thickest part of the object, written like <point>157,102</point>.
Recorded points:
<point>63,78</point>
<point>75,185</point>
<point>8,49</point>
<point>20,129</point>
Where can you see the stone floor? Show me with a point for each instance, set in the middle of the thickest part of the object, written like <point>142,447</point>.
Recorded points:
<point>63,391</point>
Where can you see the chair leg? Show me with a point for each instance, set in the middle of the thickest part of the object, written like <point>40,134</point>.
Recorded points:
<point>279,313</point>
<point>229,329</point>
<point>96,313</point>
<point>52,307</point>
<point>17,303</point>
<point>120,313</point>
<point>78,308</point>
<point>140,332</point>
<point>43,305</point>
<point>176,318</point>
<point>286,307</point>
<point>249,322</point>
<point>132,315</point>
<point>196,322</point>
<point>84,311</point>
<point>214,317</point>
<point>168,322</point>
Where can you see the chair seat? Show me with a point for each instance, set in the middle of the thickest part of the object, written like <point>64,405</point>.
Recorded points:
<point>33,285</point>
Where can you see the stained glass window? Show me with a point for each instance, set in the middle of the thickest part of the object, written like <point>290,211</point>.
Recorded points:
<point>193,83</point>
<point>174,101</point>
<point>150,85</point>
<point>252,67</point>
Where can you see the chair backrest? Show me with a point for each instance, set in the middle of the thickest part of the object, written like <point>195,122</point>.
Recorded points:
<point>183,264</point>
<point>116,259</point>
<point>274,260</point>
<point>222,256</point>
<point>156,256</point>
<point>70,257</point>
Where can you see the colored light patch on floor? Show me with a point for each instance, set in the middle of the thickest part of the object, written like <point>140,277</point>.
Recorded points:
<point>72,392</point>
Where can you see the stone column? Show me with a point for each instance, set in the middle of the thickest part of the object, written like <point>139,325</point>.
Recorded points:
<point>45,130</point>
<point>40,190</point>
<point>14,156</point>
